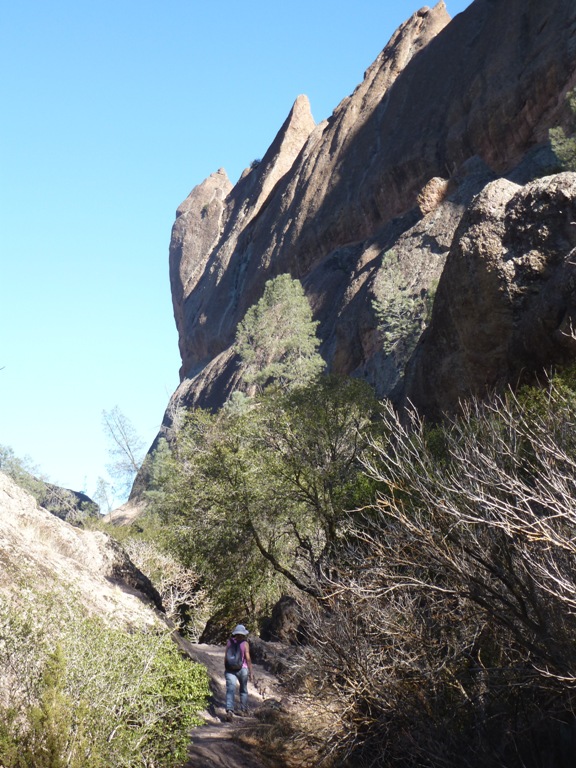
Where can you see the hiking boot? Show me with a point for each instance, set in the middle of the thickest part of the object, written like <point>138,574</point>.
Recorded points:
<point>229,715</point>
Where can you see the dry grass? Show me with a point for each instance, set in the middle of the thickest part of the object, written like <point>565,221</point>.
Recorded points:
<point>292,734</point>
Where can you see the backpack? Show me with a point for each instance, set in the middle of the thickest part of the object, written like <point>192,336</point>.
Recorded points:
<point>234,658</point>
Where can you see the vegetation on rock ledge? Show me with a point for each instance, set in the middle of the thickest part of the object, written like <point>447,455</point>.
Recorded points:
<point>563,140</point>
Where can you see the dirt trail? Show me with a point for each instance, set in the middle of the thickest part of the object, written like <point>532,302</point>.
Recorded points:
<point>213,744</point>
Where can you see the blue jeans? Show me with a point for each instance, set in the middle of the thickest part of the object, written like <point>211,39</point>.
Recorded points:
<point>231,679</point>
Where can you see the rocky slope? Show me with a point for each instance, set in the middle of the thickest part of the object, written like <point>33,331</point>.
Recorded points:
<point>39,551</point>
<point>367,206</point>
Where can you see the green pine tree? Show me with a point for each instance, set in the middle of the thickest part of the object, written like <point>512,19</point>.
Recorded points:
<point>277,337</point>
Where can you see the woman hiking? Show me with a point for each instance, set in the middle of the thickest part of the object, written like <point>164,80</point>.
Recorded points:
<point>238,669</point>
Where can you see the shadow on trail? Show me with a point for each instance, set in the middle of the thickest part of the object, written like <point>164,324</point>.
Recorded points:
<point>214,744</point>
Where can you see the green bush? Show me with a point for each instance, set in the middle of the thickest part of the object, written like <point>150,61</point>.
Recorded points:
<point>80,693</point>
<point>563,139</point>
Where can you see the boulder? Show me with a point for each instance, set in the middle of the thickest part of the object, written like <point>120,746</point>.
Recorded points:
<point>40,551</point>
<point>505,307</point>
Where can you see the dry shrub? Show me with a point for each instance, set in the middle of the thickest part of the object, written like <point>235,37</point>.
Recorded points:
<point>445,636</point>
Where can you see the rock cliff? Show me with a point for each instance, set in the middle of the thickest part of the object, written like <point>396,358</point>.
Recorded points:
<point>38,550</point>
<point>411,194</point>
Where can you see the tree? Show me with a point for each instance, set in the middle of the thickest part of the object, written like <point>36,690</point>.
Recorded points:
<point>277,337</point>
<point>191,492</point>
<point>126,448</point>
<point>403,311</point>
<point>310,443</point>
<point>261,494</point>
<point>563,140</point>
<point>104,496</point>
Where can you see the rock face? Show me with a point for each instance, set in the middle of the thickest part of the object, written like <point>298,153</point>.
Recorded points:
<point>37,548</point>
<point>506,303</point>
<point>365,207</point>
<point>69,505</point>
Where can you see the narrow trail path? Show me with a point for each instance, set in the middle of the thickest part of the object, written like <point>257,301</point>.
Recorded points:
<point>213,744</point>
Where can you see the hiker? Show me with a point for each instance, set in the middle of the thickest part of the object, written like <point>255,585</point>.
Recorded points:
<point>238,669</point>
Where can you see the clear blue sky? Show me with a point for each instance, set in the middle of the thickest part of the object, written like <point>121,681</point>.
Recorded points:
<point>112,112</point>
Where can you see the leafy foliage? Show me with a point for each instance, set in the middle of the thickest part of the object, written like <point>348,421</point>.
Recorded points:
<point>260,494</point>
<point>78,692</point>
<point>277,337</point>
<point>563,140</point>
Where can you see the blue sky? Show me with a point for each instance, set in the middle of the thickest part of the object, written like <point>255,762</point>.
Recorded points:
<point>112,112</point>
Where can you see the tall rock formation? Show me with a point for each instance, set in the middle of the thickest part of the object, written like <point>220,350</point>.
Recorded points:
<point>365,207</point>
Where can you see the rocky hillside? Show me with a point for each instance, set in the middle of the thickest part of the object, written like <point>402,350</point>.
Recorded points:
<point>376,211</point>
<point>38,551</point>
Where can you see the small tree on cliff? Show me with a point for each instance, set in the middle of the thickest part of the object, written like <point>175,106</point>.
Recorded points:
<point>277,337</point>
<point>563,140</point>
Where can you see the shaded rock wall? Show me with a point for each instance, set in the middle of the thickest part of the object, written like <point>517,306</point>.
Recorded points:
<point>506,303</point>
<point>446,108</point>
